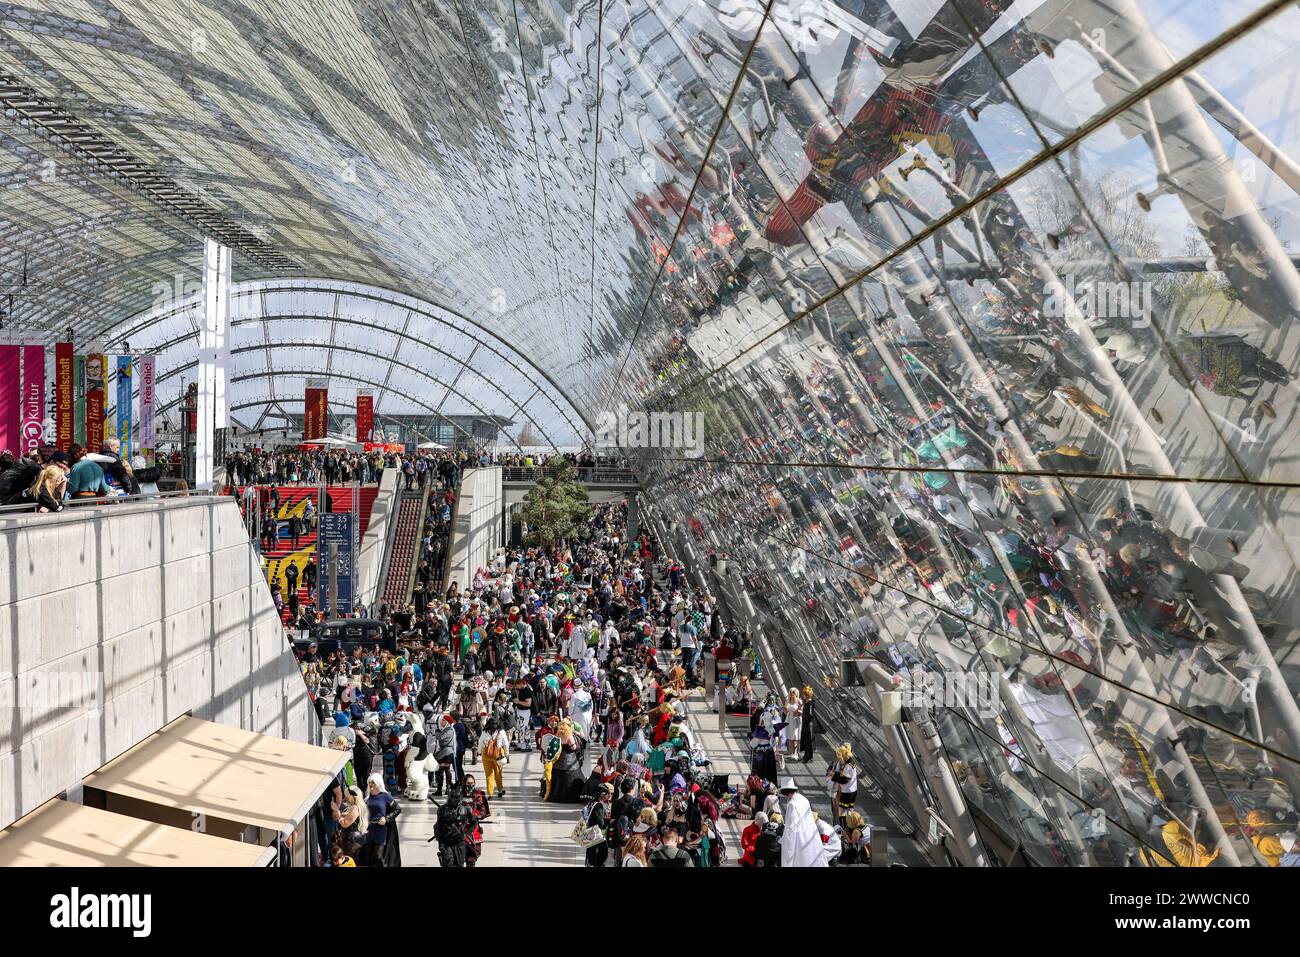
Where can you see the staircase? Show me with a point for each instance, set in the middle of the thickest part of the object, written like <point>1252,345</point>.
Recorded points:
<point>293,501</point>
<point>406,539</point>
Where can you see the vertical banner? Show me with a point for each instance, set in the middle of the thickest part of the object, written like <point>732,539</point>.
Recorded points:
<point>33,398</point>
<point>124,383</point>
<point>335,528</point>
<point>96,371</point>
<point>315,416</point>
<point>63,400</point>
<point>365,417</point>
<point>10,401</point>
<point>145,368</point>
<point>79,399</point>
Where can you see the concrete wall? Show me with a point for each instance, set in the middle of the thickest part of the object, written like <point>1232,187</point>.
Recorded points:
<point>371,561</point>
<point>476,525</point>
<point>114,621</point>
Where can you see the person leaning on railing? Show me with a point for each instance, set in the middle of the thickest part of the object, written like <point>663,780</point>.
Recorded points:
<point>38,481</point>
<point>38,478</point>
<point>86,479</point>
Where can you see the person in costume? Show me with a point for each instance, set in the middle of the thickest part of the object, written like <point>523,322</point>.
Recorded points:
<point>801,843</point>
<point>807,731</point>
<point>382,829</point>
<point>763,760</point>
<point>844,776</point>
<point>749,838</point>
<point>563,777</point>
<point>581,708</point>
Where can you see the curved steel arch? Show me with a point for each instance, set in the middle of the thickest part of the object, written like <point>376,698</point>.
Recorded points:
<point>365,292</point>
<point>307,373</point>
<point>265,317</point>
<point>176,370</point>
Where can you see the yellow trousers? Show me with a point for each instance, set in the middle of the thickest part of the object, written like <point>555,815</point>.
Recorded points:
<point>492,773</point>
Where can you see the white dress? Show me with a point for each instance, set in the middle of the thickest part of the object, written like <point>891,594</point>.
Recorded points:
<point>794,720</point>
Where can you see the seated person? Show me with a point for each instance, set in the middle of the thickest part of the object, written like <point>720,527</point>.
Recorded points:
<point>855,848</point>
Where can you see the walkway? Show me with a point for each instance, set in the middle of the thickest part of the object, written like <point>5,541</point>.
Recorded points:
<point>729,753</point>
<point>526,831</point>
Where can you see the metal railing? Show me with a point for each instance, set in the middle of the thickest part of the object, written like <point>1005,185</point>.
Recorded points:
<point>74,505</point>
<point>587,474</point>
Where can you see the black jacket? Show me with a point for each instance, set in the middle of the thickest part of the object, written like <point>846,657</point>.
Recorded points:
<point>16,480</point>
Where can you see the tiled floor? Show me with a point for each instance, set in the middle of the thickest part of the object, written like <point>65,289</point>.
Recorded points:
<point>524,830</point>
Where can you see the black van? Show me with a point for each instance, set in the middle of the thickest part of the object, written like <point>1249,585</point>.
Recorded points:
<point>345,634</point>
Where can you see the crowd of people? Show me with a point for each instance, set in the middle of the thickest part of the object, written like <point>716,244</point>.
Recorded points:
<point>585,653</point>
<point>48,478</point>
<point>585,459</point>
<point>298,466</point>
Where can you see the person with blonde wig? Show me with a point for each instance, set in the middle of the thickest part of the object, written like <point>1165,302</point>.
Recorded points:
<point>844,778</point>
<point>47,490</point>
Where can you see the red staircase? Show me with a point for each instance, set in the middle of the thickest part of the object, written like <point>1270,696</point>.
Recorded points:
<point>293,501</point>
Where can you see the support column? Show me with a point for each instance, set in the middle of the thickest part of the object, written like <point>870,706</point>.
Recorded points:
<point>214,360</point>
<point>633,519</point>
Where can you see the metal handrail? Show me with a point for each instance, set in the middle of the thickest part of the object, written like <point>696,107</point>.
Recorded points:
<point>587,474</point>
<point>206,497</point>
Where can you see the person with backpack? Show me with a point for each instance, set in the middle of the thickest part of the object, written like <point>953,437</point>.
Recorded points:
<point>670,853</point>
<point>453,830</point>
<point>624,811</point>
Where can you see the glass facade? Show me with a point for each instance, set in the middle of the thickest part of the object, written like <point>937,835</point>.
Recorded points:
<point>988,308</point>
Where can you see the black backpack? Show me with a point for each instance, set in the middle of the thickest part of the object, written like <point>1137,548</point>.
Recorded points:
<point>660,859</point>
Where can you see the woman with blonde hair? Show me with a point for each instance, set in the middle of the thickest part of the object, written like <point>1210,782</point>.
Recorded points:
<point>47,490</point>
<point>354,821</point>
<point>647,829</point>
<point>844,775</point>
<point>635,852</point>
<point>793,723</point>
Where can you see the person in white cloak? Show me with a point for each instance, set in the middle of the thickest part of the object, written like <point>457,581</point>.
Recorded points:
<point>580,707</point>
<point>801,844</point>
<point>577,644</point>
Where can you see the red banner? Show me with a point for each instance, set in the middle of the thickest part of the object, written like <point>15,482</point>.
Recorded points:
<point>10,403</point>
<point>315,417</point>
<point>365,417</point>
<point>63,395</point>
<point>96,378</point>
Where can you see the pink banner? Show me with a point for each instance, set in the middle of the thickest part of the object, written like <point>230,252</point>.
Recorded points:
<point>10,404</point>
<point>33,398</point>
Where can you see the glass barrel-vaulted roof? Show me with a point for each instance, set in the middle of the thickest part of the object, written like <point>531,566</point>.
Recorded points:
<point>415,358</point>
<point>988,305</point>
